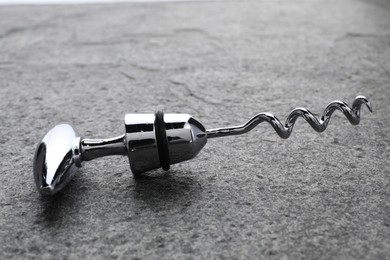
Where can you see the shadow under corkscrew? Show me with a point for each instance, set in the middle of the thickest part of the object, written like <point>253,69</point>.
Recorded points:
<point>284,131</point>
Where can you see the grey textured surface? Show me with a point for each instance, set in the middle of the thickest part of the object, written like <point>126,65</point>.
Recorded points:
<point>256,196</point>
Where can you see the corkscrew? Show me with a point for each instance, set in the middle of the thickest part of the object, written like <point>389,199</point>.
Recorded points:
<point>157,140</point>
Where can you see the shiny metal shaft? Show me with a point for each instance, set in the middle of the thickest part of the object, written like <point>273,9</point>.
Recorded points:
<point>95,148</point>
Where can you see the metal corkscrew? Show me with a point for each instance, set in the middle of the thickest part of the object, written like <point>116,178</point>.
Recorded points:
<point>157,140</point>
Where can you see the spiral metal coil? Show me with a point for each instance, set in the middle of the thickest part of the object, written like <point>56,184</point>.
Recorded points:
<point>284,131</point>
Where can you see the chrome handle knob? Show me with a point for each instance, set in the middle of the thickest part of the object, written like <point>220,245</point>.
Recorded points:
<point>157,140</point>
<point>150,141</point>
<point>56,159</point>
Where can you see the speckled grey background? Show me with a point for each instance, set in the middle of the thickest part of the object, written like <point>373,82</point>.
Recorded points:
<point>315,196</point>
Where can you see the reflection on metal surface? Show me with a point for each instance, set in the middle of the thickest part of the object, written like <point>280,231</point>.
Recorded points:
<point>156,140</point>
<point>56,158</point>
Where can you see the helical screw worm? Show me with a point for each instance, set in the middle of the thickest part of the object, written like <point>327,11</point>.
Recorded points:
<point>284,131</point>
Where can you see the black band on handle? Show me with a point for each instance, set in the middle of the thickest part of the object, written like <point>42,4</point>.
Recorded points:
<point>162,141</point>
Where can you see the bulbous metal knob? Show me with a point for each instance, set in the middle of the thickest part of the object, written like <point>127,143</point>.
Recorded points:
<point>56,159</point>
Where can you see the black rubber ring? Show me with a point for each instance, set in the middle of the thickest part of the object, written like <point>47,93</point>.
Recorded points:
<point>162,141</point>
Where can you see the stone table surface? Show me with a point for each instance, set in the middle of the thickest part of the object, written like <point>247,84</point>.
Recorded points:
<point>255,196</point>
